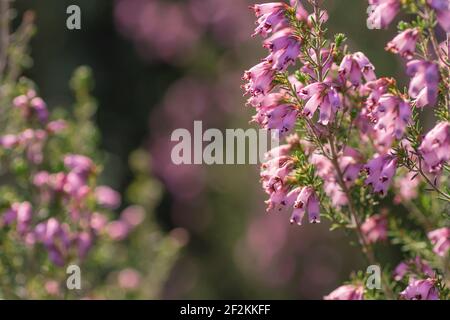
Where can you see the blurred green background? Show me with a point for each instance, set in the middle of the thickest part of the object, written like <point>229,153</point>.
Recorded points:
<point>159,65</point>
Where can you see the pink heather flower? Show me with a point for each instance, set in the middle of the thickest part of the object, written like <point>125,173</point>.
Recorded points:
<point>282,150</point>
<point>380,171</point>
<point>9,141</point>
<point>323,96</point>
<point>440,238</point>
<point>284,47</point>
<point>133,215</point>
<point>415,267</point>
<point>41,179</point>
<point>421,290</point>
<point>350,164</point>
<point>9,216</point>
<point>52,287</point>
<point>273,177</point>
<point>117,230</point>
<point>435,147</point>
<point>56,126</point>
<point>107,197</point>
<point>98,222</point>
<point>424,83</point>
<point>375,228</point>
<point>404,44</point>
<point>56,238</point>
<point>384,11</point>
<point>442,8</point>
<point>273,114</point>
<point>271,16</point>
<point>301,13</point>
<point>306,201</point>
<point>24,216</point>
<point>75,185</point>
<point>374,90</point>
<point>57,181</point>
<point>259,79</point>
<point>354,67</point>
<point>391,114</point>
<point>33,141</point>
<point>325,170</point>
<point>347,292</point>
<point>32,105</point>
<point>407,186</point>
<point>129,279</point>
<point>84,241</point>
<point>78,164</point>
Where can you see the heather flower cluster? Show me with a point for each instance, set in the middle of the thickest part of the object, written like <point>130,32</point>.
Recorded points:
<point>54,210</point>
<point>355,140</point>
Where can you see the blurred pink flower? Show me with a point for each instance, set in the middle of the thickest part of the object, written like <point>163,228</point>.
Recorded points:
<point>413,267</point>
<point>435,147</point>
<point>107,197</point>
<point>375,228</point>
<point>440,238</point>
<point>421,290</point>
<point>347,292</point>
<point>133,215</point>
<point>52,287</point>
<point>129,279</point>
<point>117,230</point>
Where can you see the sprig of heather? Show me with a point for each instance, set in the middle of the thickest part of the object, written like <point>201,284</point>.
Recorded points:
<point>353,131</point>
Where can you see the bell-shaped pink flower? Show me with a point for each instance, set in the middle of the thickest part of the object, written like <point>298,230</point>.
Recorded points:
<point>24,216</point>
<point>382,13</point>
<point>375,228</point>
<point>347,292</point>
<point>284,46</point>
<point>440,238</point>
<point>354,67</point>
<point>107,197</point>
<point>391,114</point>
<point>322,96</point>
<point>9,141</point>
<point>325,170</point>
<point>407,186</point>
<point>84,241</point>
<point>435,147</point>
<point>380,171</point>
<point>271,16</point>
<point>421,290</point>
<point>442,8</point>
<point>374,90</point>
<point>31,105</point>
<point>78,164</point>
<point>274,114</point>
<point>424,83</point>
<point>414,267</point>
<point>273,174</point>
<point>56,238</point>
<point>306,202</point>
<point>259,79</point>
<point>404,44</point>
